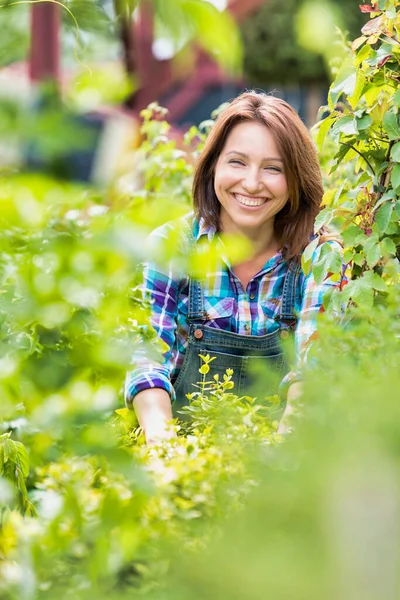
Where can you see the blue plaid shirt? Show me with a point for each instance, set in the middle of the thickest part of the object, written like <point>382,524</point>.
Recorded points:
<point>250,311</point>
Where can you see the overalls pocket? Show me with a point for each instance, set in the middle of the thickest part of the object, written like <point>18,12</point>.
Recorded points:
<point>219,312</point>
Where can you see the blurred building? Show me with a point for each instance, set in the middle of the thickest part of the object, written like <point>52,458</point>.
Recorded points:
<point>193,90</point>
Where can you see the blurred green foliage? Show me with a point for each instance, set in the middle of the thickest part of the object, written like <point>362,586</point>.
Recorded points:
<point>228,509</point>
<point>90,29</point>
<point>273,53</point>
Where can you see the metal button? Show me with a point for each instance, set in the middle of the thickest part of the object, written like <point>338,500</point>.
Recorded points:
<point>284,334</point>
<point>198,334</point>
<point>252,296</point>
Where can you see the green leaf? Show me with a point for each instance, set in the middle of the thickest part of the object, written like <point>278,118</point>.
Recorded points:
<point>340,155</point>
<point>363,123</point>
<point>375,281</point>
<point>329,262</point>
<point>395,178</point>
<point>390,195</point>
<point>388,246</point>
<point>22,459</point>
<point>397,98</point>
<point>391,125</point>
<point>10,451</point>
<point>323,128</point>
<point>362,54</point>
<point>371,93</point>
<point>20,483</point>
<point>346,125</point>
<point>348,255</point>
<point>360,292</point>
<point>306,259</point>
<point>395,152</point>
<point>324,217</point>
<point>345,83</point>
<point>359,259</point>
<point>382,217</point>
<point>372,254</point>
<point>350,234</point>
<point>359,87</point>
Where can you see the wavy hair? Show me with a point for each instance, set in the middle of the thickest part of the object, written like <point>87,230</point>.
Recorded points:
<point>294,224</point>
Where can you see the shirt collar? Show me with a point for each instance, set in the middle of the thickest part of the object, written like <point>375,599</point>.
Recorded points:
<point>204,230</point>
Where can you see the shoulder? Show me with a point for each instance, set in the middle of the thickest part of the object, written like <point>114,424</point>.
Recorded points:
<point>169,246</point>
<point>179,232</point>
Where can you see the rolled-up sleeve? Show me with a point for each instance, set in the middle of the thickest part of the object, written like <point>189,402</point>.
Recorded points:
<point>149,370</point>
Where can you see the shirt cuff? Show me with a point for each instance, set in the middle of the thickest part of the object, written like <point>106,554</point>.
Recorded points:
<point>137,382</point>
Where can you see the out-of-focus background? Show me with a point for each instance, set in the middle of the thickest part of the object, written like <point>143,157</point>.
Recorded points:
<point>109,59</point>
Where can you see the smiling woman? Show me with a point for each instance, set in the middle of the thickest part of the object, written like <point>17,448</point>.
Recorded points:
<point>258,178</point>
<point>250,183</point>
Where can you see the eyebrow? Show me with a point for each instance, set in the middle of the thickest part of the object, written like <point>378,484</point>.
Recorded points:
<point>247,156</point>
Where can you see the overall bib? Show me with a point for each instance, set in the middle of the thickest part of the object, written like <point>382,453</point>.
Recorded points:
<point>258,362</point>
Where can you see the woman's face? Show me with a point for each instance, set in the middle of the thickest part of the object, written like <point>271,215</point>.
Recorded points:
<point>249,180</point>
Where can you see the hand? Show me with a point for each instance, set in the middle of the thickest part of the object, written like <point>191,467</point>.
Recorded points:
<point>157,433</point>
<point>153,410</point>
<point>295,391</point>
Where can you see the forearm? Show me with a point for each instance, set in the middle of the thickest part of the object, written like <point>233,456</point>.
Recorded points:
<point>294,393</point>
<point>153,410</point>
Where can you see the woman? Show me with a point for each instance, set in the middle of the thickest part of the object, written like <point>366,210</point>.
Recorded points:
<point>258,177</point>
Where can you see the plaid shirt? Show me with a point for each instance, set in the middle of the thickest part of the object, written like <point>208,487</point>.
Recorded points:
<point>228,305</point>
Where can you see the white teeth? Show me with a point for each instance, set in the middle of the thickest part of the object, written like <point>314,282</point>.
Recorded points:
<point>249,201</point>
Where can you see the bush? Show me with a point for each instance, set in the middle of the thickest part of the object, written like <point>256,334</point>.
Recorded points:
<point>227,509</point>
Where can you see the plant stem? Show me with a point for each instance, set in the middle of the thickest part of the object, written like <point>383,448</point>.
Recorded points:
<point>362,156</point>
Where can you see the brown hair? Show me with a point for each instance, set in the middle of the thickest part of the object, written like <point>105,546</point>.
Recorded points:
<point>295,222</point>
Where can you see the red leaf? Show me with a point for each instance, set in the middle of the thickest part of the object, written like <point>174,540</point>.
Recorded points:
<point>367,8</point>
<point>372,26</point>
<point>384,60</point>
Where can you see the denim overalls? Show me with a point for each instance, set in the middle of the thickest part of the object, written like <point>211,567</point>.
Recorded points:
<point>258,362</point>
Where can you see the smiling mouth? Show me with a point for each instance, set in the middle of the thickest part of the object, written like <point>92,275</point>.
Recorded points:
<point>248,201</point>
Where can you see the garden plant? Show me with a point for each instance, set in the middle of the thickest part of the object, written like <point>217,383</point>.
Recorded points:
<point>228,509</point>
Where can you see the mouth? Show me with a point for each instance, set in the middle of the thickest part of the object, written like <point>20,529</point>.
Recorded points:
<point>252,201</point>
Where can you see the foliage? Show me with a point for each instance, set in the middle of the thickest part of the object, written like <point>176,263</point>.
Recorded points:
<point>228,507</point>
<point>364,104</point>
<point>326,506</point>
<point>90,28</point>
<point>14,23</point>
<point>93,509</point>
<point>273,53</point>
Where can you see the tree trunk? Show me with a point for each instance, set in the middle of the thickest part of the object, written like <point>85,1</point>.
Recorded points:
<point>44,60</point>
<point>126,33</point>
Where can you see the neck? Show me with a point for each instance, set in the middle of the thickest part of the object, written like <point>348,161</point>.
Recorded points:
<point>263,240</point>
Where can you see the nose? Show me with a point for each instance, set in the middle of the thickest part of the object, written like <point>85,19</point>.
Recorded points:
<point>252,182</point>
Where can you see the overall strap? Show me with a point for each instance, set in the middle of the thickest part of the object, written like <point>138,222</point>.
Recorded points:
<point>196,310</point>
<point>287,310</point>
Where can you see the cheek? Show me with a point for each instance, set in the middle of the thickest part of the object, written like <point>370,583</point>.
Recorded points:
<point>221,180</point>
<point>282,187</point>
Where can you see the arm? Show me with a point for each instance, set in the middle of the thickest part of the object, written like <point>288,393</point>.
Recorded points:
<point>148,386</point>
<point>306,332</point>
<point>153,410</point>
<point>293,393</point>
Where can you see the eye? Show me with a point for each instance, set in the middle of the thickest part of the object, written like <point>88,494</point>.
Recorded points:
<point>273,169</point>
<point>235,161</point>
